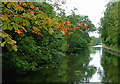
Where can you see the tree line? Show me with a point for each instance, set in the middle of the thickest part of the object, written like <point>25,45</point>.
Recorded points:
<point>35,36</point>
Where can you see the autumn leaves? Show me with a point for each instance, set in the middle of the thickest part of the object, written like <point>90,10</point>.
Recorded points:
<point>24,17</point>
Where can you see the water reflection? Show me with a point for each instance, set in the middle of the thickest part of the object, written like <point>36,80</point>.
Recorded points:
<point>74,68</point>
<point>89,65</point>
<point>79,69</point>
<point>96,58</point>
<point>111,66</point>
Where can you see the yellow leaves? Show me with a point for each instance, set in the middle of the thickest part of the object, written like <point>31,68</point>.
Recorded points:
<point>5,2</point>
<point>35,17</point>
<point>4,17</point>
<point>36,8</point>
<point>9,5</point>
<point>19,8</point>
<point>23,28</point>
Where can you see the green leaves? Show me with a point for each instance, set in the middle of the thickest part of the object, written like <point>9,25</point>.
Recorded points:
<point>9,26</point>
<point>9,5</point>
<point>4,26</point>
<point>15,26</point>
<point>109,25</point>
<point>51,31</point>
<point>2,44</point>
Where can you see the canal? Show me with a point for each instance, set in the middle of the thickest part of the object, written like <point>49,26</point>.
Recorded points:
<point>88,65</point>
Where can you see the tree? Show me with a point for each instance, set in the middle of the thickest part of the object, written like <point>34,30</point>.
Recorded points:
<point>109,28</point>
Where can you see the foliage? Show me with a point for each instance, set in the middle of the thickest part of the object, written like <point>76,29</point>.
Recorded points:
<point>109,26</point>
<point>32,30</point>
<point>79,40</point>
<point>21,16</point>
<point>95,41</point>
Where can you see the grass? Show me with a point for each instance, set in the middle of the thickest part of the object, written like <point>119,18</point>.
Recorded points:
<point>112,48</point>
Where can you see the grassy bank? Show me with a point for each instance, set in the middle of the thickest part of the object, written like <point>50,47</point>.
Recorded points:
<point>114,50</point>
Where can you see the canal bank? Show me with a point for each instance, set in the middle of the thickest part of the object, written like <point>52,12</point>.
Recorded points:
<point>95,65</point>
<point>112,50</point>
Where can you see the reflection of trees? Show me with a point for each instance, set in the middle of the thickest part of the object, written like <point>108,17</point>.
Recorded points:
<point>52,74</point>
<point>93,49</point>
<point>75,68</point>
<point>78,67</point>
<point>111,67</point>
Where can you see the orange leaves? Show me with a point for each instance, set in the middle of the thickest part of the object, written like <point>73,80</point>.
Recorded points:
<point>65,22</point>
<point>36,31</point>
<point>79,25</point>
<point>84,25</point>
<point>23,28</point>
<point>65,32</point>
<point>32,6</point>
<point>32,12</point>
<point>68,23</point>
<point>6,27</point>
<point>36,8</point>
<point>38,15</point>
<point>3,32</point>
<point>80,30</point>
<point>74,28</point>
<point>57,6</point>
<point>34,28</point>
<point>89,27</point>
<point>24,4</point>
<point>19,31</point>
<point>40,26</point>
<point>40,8</point>
<point>40,34</point>
<point>56,27</point>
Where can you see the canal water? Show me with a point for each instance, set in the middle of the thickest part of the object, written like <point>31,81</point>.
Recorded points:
<point>88,65</point>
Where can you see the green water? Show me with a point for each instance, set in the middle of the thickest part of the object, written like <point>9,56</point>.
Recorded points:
<point>89,65</point>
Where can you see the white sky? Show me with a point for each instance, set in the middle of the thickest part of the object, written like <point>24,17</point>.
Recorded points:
<point>94,9</point>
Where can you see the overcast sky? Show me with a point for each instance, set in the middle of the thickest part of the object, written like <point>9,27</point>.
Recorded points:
<point>94,9</point>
